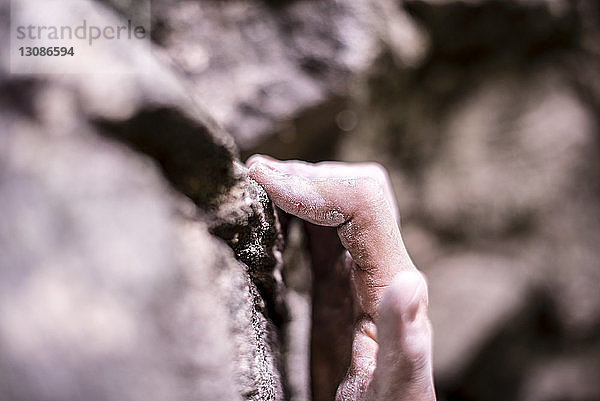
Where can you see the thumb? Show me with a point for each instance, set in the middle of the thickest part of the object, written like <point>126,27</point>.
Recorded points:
<point>404,367</point>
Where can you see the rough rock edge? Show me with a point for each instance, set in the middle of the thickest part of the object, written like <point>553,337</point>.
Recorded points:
<point>235,207</point>
<point>256,358</point>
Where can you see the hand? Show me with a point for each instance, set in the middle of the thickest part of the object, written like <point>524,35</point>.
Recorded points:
<point>391,336</point>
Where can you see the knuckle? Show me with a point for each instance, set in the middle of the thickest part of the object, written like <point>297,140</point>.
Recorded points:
<point>377,184</point>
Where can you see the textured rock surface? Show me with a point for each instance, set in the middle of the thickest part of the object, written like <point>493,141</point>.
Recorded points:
<point>113,287</point>
<point>277,75</point>
<point>111,290</point>
<point>92,274</point>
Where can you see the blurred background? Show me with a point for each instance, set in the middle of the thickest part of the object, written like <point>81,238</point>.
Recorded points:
<point>486,114</point>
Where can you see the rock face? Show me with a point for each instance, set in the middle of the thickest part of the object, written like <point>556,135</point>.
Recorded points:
<point>276,74</point>
<point>113,289</point>
<point>117,281</point>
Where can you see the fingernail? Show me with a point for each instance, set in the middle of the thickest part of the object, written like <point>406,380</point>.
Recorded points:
<point>266,168</point>
<point>258,158</point>
<point>252,160</point>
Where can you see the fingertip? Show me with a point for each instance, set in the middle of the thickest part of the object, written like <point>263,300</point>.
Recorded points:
<point>259,158</point>
<point>254,169</point>
<point>265,174</point>
<point>253,159</point>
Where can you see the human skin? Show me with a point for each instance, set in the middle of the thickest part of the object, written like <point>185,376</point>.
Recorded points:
<point>390,355</point>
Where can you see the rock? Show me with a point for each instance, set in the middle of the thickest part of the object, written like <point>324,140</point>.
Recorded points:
<point>569,377</point>
<point>245,219</point>
<point>112,288</point>
<point>471,297</point>
<point>131,297</point>
<point>201,164</point>
<point>473,178</point>
<point>109,291</point>
<point>154,114</point>
<point>276,75</point>
<point>469,32</point>
<point>254,340</point>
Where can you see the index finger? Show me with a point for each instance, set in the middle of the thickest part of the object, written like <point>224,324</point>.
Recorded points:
<point>356,203</point>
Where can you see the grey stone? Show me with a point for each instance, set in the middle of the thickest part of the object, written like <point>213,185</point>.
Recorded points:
<point>471,297</point>
<point>113,287</point>
<point>277,74</point>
